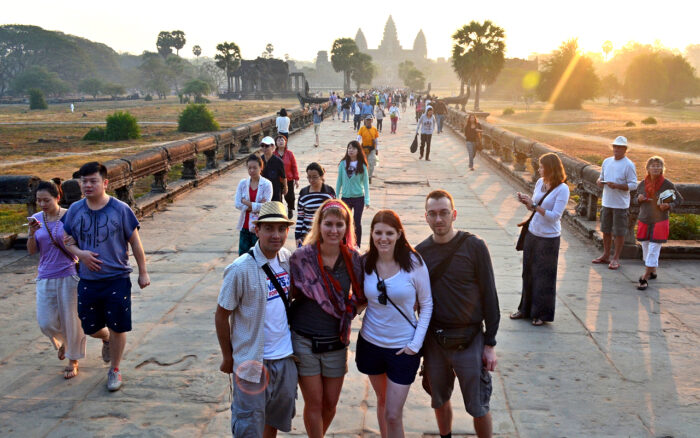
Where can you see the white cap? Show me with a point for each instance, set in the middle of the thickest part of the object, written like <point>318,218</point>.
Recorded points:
<point>620,141</point>
<point>267,140</point>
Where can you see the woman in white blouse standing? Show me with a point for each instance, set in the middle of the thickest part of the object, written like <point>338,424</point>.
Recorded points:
<point>396,279</point>
<point>282,123</point>
<point>541,249</point>
<point>251,194</point>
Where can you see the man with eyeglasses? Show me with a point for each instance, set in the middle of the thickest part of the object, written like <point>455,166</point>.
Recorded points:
<point>464,303</point>
<point>273,169</point>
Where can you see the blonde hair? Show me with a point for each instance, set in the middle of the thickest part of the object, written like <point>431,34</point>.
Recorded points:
<point>656,159</point>
<point>340,210</point>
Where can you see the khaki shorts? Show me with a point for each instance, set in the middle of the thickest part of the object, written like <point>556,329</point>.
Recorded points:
<point>614,220</point>
<point>317,128</point>
<point>331,364</point>
<point>442,365</point>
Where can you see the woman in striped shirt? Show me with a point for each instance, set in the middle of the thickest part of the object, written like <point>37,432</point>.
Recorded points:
<point>310,198</point>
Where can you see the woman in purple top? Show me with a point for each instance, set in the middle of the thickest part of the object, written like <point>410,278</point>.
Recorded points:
<point>57,282</point>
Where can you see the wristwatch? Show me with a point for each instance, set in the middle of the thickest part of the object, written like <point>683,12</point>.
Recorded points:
<point>534,206</point>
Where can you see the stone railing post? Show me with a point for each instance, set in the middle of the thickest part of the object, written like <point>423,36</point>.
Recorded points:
<point>229,154</point>
<point>189,169</point>
<point>506,154</point>
<point>160,182</point>
<point>211,159</point>
<point>126,194</point>
<point>244,146</point>
<point>520,161</point>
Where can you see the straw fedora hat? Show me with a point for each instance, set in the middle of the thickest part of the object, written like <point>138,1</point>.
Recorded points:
<point>273,211</point>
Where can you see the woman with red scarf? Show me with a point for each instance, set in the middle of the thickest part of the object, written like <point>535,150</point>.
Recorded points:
<point>327,291</point>
<point>656,196</point>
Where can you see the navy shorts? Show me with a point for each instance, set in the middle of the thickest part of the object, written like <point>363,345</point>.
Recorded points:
<point>105,303</point>
<point>373,360</point>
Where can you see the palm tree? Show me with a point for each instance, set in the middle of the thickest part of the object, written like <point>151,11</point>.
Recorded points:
<point>478,54</point>
<point>228,59</point>
<point>342,56</point>
<point>607,48</point>
<point>196,50</point>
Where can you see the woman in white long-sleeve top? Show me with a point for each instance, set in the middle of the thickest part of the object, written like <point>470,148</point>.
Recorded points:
<point>251,194</point>
<point>541,249</point>
<point>396,280</point>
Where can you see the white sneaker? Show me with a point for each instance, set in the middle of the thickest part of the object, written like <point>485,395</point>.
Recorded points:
<point>114,380</point>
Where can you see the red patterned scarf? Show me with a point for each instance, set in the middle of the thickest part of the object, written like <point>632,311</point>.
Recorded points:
<point>652,187</point>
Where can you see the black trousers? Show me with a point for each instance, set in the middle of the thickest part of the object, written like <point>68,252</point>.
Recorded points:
<point>379,124</point>
<point>289,197</point>
<point>425,142</point>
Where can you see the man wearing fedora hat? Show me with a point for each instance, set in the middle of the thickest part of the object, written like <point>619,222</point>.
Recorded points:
<point>253,331</point>
<point>618,177</point>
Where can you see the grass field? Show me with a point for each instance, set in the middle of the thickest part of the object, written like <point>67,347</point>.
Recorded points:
<point>587,133</point>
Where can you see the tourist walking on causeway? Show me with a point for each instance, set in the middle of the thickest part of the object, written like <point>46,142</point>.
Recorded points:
<point>101,227</point>
<point>57,279</point>
<point>657,196</point>
<point>440,113</point>
<point>618,177</point>
<point>251,194</point>
<point>357,112</point>
<point>346,105</point>
<point>253,332</point>
<point>352,184</point>
<point>419,108</point>
<point>379,114</point>
<point>317,114</point>
<point>396,282</point>
<point>541,246</point>
<point>472,132</point>
<point>310,198</point>
<point>425,127</point>
<point>291,172</point>
<point>464,297</point>
<point>273,169</point>
<point>394,116</point>
<point>327,290</point>
<point>282,123</point>
<point>367,136</point>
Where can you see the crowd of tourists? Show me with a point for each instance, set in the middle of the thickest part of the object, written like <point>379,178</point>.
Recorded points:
<point>284,318</point>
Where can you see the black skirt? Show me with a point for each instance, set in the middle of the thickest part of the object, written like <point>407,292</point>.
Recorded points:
<point>540,258</point>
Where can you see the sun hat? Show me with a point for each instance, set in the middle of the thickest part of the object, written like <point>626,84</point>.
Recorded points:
<point>369,117</point>
<point>620,141</point>
<point>268,141</point>
<point>274,212</point>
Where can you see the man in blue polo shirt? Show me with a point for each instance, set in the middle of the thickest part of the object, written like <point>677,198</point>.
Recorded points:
<point>98,229</point>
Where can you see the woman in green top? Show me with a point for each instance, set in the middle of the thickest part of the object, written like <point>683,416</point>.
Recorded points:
<point>353,184</point>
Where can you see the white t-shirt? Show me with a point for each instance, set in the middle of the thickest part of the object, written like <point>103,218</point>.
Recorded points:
<point>283,124</point>
<point>278,340</point>
<point>382,324</point>
<point>620,171</point>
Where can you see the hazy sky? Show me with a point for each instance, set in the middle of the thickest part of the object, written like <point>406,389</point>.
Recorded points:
<point>301,28</point>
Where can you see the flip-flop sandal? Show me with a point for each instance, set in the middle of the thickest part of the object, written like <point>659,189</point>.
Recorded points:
<point>614,265</point>
<point>61,352</point>
<point>537,322</point>
<point>653,276</point>
<point>70,371</point>
<point>643,284</point>
<point>600,261</point>
<point>517,315</point>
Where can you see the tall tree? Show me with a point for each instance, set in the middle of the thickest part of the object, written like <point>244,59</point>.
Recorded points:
<point>164,44</point>
<point>411,76</point>
<point>682,81</point>
<point>269,48</point>
<point>363,70</point>
<point>91,86</point>
<point>478,54</point>
<point>646,78</point>
<point>177,38</point>
<point>196,51</point>
<point>342,53</point>
<point>610,87</point>
<point>607,48</point>
<point>568,78</point>
<point>228,59</point>
<point>155,74</point>
<point>36,77</point>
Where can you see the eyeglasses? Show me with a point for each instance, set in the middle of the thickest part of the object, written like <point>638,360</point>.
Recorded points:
<point>265,146</point>
<point>443,214</point>
<point>383,297</point>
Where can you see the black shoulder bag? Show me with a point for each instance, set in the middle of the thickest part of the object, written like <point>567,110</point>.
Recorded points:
<point>526,224</point>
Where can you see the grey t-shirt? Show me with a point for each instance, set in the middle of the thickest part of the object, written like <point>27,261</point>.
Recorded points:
<point>106,232</point>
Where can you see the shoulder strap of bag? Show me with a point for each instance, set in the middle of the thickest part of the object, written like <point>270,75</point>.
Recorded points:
<point>48,230</point>
<point>440,269</point>
<point>273,279</point>
<point>538,204</point>
<point>396,307</point>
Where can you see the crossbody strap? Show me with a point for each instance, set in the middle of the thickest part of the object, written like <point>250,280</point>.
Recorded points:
<point>396,307</point>
<point>48,230</point>
<point>538,204</point>
<point>440,269</point>
<point>273,279</point>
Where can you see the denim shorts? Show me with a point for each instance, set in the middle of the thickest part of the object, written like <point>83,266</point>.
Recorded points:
<point>614,220</point>
<point>373,360</point>
<point>105,303</point>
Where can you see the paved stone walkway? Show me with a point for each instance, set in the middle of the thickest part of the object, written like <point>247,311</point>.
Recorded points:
<point>616,362</point>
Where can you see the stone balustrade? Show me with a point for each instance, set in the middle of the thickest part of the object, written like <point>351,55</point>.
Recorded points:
<point>227,145</point>
<point>518,157</point>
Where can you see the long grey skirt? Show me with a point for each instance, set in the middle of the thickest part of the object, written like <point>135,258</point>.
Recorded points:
<point>540,258</point>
